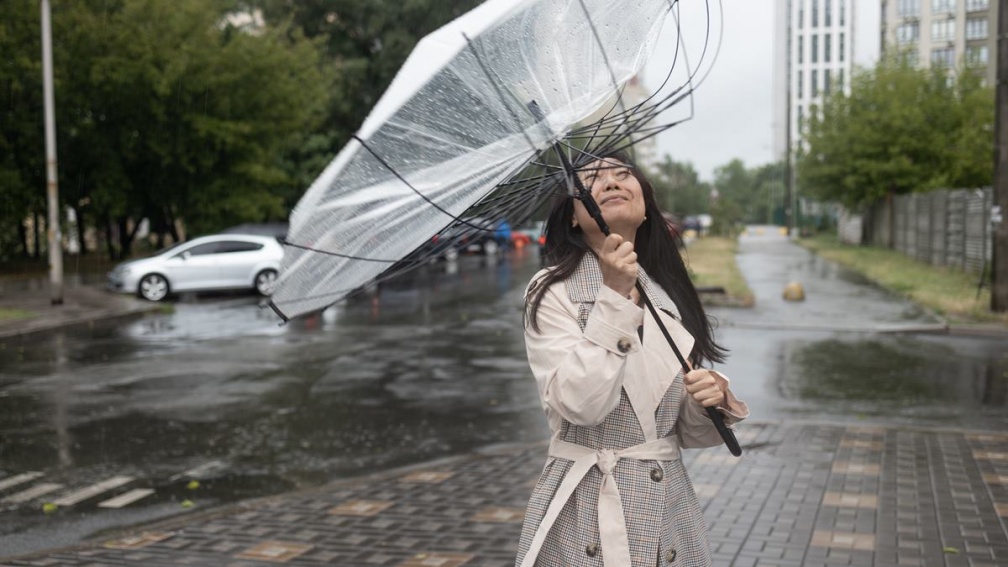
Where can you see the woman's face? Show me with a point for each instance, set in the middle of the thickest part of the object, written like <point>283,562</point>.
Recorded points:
<point>618,194</point>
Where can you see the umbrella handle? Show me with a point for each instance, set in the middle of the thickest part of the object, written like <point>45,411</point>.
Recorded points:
<point>715,416</point>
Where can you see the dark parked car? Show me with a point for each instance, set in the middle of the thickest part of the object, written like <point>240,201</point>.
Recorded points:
<point>474,236</point>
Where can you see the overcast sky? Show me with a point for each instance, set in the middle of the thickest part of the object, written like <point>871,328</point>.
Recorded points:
<point>732,115</point>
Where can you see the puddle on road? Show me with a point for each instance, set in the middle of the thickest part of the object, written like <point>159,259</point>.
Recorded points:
<point>928,379</point>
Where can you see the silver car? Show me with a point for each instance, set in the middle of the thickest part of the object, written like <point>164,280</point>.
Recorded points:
<point>218,262</point>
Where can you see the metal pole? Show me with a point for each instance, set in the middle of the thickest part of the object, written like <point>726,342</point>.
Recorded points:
<point>52,191</point>
<point>999,255</point>
<point>789,181</point>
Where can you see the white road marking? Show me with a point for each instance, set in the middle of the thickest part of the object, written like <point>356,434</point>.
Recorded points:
<point>126,498</point>
<point>32,493</point>
<point>93,490</point>
<point>18,479</point>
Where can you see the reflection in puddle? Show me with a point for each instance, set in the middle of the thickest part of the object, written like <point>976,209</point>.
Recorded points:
<point>877,375</point>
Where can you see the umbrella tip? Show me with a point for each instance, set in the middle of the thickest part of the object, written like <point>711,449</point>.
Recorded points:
<point>283,318</point>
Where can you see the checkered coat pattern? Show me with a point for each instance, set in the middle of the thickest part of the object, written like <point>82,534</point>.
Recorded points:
<point>665,523</point>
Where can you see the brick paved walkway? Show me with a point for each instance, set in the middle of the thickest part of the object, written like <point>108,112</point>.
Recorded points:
<point>802,494</point>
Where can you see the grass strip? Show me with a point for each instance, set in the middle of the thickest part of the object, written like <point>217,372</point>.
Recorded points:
<point>951,293</point>
<point>7,314</point>
<point>711,262</point>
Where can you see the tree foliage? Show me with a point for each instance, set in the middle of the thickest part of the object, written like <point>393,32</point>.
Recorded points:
<point>899,130</point>
<point>175,112</point>
<point>737,194</point>
<point>678,188</point>
<point>367,42</point>
<point>22,149</point>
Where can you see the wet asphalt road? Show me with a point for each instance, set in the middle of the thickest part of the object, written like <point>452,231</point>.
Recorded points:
<point>433,365</point>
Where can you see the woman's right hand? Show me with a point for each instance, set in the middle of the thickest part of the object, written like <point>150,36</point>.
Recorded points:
<point>619,265</point>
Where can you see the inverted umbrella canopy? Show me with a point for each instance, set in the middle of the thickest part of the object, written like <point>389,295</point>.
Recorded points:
<point>475,103</point>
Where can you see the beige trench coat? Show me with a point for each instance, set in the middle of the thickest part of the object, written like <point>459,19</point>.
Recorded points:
<point>614,398</point>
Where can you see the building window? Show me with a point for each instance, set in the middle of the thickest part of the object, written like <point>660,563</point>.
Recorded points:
<point>943,6</point>
<point>944,56</point>
<point>977,5</point>
<point>827,13</point>
<point>977,56</point>
<point>826,82</point>
<point>976,28</point>
<point>840,48</point>
<point>801,118</point>
<point>815,83</point>
<point>912,58</point>
<point>801,85</point>
<point>815,13</point>
<point>908,33</point>
<point>906,8</point>
<point>826,48</point>
<point>801,14</point>
<point>801,49</point>
<point>815,49</point>
<point>942,30</point>
<point>842,11</point>
<point>839,79</point>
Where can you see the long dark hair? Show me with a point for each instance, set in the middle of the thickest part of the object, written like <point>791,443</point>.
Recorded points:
<point>657,253</point>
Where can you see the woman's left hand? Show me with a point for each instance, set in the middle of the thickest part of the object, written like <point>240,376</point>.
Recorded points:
<point>703,386</point>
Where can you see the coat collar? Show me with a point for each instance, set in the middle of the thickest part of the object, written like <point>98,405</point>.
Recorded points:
<point>584,284</point>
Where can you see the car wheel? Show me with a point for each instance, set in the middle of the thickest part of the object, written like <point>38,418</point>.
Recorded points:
<point>153,287</point>
<point>451,254</point>
<point>264,281</point>
<point>490,247</point>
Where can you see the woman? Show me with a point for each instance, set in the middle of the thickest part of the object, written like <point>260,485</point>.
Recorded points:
<point>614,491</point>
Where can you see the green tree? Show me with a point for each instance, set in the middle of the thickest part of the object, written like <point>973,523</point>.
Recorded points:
<point>736,184</point>
<point>172,114</point>
<point>366,41</point>
<point>770,193</point>
<point>678,187</point>
<point>901,129</point>
<point>22,149</point>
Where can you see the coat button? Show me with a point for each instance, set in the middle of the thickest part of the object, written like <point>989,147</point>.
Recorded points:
<point>624,345</point>
<point>670,555</point>
<point>657,475</point>
<point>592,550</point>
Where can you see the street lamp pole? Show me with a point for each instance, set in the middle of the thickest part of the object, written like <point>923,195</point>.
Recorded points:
<point>55,237</point>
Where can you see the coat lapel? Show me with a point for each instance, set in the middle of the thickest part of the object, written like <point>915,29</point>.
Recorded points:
<point>649,374</point>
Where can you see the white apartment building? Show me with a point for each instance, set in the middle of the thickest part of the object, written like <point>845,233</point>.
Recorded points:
<point>815,47</point>
<point>951,33</point>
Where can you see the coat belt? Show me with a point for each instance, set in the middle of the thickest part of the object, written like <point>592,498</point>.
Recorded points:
<point>611,521</point>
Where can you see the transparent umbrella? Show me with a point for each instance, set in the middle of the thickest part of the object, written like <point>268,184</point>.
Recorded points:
<point>462,128</point>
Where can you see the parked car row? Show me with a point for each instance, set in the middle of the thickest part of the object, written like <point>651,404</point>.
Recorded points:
<point>249,257</point>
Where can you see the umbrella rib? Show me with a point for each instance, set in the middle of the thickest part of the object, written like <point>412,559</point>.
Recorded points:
<point>496,87</point>
<point>632,119</point>
<point>605,58</point>
<point>337,254</point>
<point>407,183</point>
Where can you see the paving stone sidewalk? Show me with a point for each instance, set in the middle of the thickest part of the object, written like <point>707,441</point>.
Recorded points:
<point>803,494</point>
<point>82,305</point>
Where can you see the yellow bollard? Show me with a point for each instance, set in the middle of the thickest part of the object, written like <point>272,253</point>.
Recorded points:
<point>794,291</point>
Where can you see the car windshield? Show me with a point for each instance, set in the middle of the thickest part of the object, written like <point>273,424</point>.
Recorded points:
<point>168,249</point>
